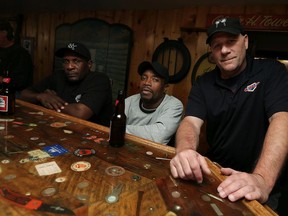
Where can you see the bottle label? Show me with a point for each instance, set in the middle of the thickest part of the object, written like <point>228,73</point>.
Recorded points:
<point>3,103</point>
<point>6,80</point>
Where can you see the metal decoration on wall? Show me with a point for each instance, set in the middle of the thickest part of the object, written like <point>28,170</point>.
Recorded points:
<point>174,55</point>
<point>204,64</point>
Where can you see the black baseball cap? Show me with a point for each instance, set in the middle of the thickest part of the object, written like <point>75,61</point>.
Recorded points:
<point>156,67</point>
<point>76,47</point>
<point>228,25</point>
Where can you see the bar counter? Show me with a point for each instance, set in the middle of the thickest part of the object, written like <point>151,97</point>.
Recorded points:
<point>55,164</point>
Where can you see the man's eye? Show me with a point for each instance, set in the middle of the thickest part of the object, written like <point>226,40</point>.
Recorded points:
<point>76,61</point>
<point>155,79</point>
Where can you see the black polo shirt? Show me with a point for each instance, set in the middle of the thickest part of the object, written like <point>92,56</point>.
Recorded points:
<point>237,111</point>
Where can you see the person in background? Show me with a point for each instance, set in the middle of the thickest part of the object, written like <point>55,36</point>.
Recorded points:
<point>244,102</point>
<point>14,58</point>
<point>152,114</point>
<point>76,90</point>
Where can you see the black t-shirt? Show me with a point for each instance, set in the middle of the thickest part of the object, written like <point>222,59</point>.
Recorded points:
<point>94,91</point>
<point>237,120</point>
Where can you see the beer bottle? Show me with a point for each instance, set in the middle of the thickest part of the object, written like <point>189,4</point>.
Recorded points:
<point>7,95</point>
<point>118,122</point>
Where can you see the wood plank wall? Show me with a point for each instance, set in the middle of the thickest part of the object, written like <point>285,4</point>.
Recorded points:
<point>149,27</point>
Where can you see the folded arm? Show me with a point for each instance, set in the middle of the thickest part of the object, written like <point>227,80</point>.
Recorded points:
<point>51,100</point>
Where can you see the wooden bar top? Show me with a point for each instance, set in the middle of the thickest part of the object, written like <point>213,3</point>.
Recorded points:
<point>55,164</point>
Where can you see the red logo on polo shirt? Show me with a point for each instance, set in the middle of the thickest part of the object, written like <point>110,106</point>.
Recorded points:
<point>251,87</point>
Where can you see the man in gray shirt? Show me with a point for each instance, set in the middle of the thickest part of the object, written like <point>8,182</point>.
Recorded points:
<point>152,114</point>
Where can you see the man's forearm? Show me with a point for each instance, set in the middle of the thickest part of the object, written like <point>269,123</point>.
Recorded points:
<point>187,136</point>
<point>274,150</point>
<point>29,96</point>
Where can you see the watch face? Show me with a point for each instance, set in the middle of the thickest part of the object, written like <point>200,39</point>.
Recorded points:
<point>84,152</point>
<point>204,64</point>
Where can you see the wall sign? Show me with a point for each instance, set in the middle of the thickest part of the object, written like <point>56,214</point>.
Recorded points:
<point>255,21</point>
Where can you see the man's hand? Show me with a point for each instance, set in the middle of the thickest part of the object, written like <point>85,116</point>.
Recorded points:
<point>240,184</point>
<point>50,100</point>
<point>189,164</point>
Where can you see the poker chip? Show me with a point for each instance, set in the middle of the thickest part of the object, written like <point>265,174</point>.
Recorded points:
<point>83,152</point>
<point>80,166</point>
<point>115,170</point>
<point>50,191</point>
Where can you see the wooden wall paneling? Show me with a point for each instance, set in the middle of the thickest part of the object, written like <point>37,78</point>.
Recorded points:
<point>265,9</point>
<point>108,16</point>
<point>42,64</point>
<point>149,27</point>
<point>144,24</point>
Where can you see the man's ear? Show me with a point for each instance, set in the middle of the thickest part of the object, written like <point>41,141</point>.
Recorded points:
<point>90,63</point>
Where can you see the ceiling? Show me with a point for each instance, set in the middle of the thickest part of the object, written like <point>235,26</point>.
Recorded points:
<point>27,6</point>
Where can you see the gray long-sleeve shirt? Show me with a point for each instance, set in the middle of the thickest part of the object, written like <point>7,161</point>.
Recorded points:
<point>158,126</point>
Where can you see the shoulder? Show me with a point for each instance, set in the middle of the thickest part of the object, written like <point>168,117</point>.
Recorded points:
<point>133,98</point>
<point>98,75</point>
<point>267,65</point>
<point>172,101</point>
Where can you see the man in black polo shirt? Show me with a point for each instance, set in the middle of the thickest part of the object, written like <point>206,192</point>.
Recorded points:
<point>244,103</point>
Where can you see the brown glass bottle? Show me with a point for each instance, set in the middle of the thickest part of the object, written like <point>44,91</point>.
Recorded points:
<point>118,122</point>
<point>7,95</point>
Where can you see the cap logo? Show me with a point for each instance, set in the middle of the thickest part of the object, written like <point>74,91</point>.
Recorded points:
<point>72,46</point>
<point>223,21</point>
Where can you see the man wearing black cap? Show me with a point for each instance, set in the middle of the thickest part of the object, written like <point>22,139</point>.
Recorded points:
<point>152,114</point>
<point>14,58</point>
<point>75,90</point>
<point>244,102</point>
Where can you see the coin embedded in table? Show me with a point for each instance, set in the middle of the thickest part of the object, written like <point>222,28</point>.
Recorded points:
<point>111,199</point>
<point>80,166</point>
<point>83,184</point>
<point>176,194</point>
<point>5,161</point>
<point>147,166</point>
<point>10,177</point>
<point>149,153</point>
<point>82,197</point>
<point>50,191</point>
<point>60,179</point>
<point>115,170</point>
<point>136,178</point>
<point>82,152</point>
<point>58,124</point>
<point>34,138</point>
